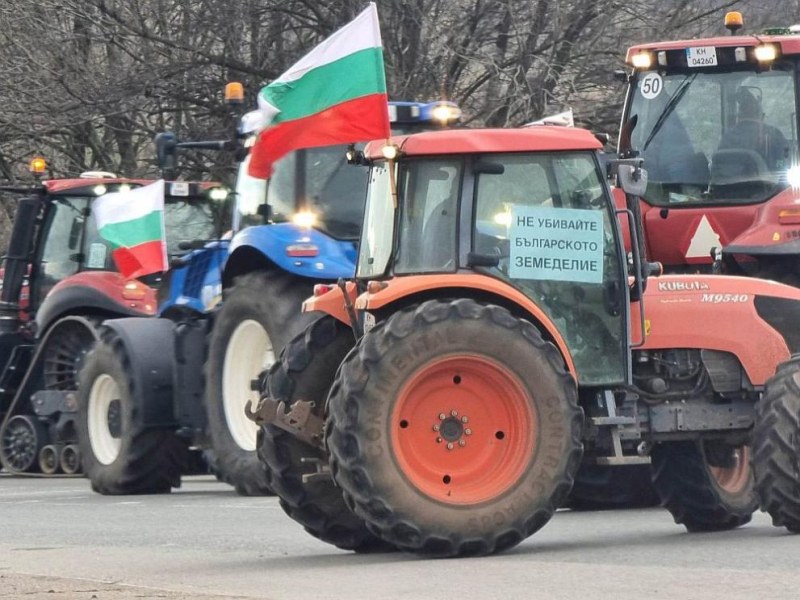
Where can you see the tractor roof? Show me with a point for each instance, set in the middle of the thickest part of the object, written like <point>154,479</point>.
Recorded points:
<point>540,138</point>
<point>86,185</point>
<point>789,44</point>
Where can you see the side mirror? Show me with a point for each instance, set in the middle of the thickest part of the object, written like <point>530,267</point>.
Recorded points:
<point>632,179</point>
<point>75,233</point>
<point>487,167</point>
<point>166,143</point>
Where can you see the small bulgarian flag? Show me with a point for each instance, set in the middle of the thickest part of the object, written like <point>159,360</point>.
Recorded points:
<point>336,94</point>
<point>133,223</point>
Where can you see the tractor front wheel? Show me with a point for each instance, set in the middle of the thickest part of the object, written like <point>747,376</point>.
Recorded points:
<point>454,429</point>
<point>259,315</point>
<point>306,371</point>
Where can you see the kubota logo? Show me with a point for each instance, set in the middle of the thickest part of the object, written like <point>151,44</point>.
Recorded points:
<point>681,286</point>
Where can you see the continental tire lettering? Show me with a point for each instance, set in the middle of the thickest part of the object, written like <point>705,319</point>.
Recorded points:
<point>373,450</point>
<point>398,362</point>
<point>373,434</point>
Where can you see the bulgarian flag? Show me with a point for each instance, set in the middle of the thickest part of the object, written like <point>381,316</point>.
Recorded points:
<point>133,223</point>
<point>336,94</point>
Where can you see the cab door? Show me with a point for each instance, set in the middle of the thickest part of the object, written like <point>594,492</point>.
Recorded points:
<point>549,219</point>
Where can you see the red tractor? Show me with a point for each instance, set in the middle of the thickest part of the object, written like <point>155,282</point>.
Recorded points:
<point>716,123</point>
<point>502,338</point>
<point>58,283</point>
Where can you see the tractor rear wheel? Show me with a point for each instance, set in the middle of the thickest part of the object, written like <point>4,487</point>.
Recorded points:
<point>707,486</point>
<point>306,371</point>
<point>259,315</point>
<point>454,429</point>
<point>776,447</point>
<point>119,455</point>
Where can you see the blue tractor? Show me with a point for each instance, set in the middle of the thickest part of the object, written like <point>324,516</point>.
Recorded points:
<point>183,380</point>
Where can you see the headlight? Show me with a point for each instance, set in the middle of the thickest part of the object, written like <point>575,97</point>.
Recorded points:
<point>390,151</point>
<point>445,113</point>
<point>765,52</point>
<point>218,194</point>
<point>304,218</point>
<point>642,60</point>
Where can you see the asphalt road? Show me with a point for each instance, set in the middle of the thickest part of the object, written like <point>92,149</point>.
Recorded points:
<point>59,540</point>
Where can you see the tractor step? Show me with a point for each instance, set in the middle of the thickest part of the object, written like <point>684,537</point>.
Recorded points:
<point>616,461</point>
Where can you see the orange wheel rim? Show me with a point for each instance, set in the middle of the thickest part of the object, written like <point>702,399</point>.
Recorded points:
<point>463,429</point>
<point>734,479</point>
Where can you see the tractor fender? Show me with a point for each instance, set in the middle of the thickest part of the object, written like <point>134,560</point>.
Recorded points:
<point>756,320</point>
<point>300,251</point>
<point>411,290</point>
<point>101,292</point>
<point>333,302</point>
<point>149,346</point>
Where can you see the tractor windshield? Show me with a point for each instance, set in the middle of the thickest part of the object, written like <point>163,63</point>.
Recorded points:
<point>714,136</point>
<point>319,180</point>
<point>190,220</point>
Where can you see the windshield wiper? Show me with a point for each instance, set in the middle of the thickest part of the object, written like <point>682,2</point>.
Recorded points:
<point>668,108</point>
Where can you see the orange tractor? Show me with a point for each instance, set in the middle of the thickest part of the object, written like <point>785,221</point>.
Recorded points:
<point>501,337</point>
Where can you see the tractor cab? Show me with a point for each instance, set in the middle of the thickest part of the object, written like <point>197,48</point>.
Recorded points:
<point>68,241</point>
<point>536,217</point>
<point>315,188</point>
<point>715,120</point>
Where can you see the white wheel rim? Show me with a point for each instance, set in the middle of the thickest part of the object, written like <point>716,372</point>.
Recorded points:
<point>105,446</point>
<point>249,352</point>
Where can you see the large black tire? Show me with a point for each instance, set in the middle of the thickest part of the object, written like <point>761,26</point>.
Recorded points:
<point>600,487</point>
<point>698,497</point>
<point>306,371</point>
<point>776,447</point>
<point>454,429</point>
<point>123,457</point>
<point>260,303</point>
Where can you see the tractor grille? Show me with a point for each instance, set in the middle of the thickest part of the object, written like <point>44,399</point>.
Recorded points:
<point>196,275</point>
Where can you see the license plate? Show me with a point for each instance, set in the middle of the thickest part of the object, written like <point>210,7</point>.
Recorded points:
<point>704,56</point>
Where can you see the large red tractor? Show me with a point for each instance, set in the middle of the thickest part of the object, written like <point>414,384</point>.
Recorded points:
<point>502,338</point>
<point>58,283</point>
<point>716,122</point>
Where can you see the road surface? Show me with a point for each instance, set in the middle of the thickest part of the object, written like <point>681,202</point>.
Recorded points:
<point>59,540</point>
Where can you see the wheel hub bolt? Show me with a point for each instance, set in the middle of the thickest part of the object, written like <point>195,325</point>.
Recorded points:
<point>436,427</point>
<point>449,445</point>
<point>454,413</point>
<point>442,416</point>
<point>464,419</point>
<point>468,431</point>
<point>462,443</point>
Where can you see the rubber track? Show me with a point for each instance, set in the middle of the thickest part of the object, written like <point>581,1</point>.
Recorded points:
<point>776,447</point>
<point>346,460</point>
<point>318,506</point>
